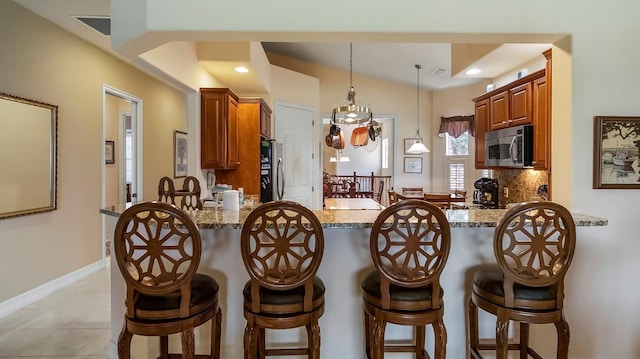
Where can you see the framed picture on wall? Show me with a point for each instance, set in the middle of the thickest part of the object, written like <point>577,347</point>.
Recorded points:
<point>413,165</point>
<point>408,142</point>
<point>109,152</point>
<point>616,145</point>
<point>179,154</point>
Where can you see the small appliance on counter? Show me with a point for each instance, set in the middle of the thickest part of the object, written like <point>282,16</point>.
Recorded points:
<point>486,193</point>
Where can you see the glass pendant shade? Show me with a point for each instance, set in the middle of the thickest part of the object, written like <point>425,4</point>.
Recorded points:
<point>351,111</point>
<point>418,147</point>
<point>339,157</point>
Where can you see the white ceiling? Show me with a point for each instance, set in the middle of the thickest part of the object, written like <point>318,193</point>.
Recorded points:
<point>388,61</point>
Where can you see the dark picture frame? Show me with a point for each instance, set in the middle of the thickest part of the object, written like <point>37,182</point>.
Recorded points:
<point>616,147</point>
<point>180,151</point>
<point>413,165</point>
<point>109,152</point>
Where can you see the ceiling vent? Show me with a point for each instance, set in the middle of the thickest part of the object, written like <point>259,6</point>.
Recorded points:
<point>438,71</point>
<point>101,24</point>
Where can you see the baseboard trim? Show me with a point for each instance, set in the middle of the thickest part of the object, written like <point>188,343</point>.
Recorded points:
<point>11,305</point>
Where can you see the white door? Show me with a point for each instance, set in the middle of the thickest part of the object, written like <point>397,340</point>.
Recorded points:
<point>295,130</point>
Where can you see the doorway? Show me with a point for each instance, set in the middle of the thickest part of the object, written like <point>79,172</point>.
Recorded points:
<point>122,171</point>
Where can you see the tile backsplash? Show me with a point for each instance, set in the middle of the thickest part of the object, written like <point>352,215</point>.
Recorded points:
<point>522,184</point>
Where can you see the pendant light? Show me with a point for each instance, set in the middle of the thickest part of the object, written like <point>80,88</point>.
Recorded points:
<point>418,147</point>
<point>351,111</point>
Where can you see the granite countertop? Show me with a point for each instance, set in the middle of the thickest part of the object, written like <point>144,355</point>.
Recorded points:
<point>216,218</point>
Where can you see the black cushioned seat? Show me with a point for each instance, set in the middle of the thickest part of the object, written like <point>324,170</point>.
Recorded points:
<point>287,297</point>
<point>488,284</point>
<point>204,289</point>
<point>371,287</point>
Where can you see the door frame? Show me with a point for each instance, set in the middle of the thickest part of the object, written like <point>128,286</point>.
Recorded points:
<point>136,112</point>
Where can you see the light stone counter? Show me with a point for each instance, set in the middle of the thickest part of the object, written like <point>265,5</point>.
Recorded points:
<point>346,261</point>
<point>216,218</point>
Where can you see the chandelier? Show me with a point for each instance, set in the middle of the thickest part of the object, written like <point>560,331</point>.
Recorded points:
<point>351,111</point>
<point>418,146</point>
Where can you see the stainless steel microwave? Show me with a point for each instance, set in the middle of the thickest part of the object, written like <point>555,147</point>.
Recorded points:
<point>509,147</point>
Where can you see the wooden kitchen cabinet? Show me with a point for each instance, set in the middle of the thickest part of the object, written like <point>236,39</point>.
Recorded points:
<point>499,111</point>
<point>219,129</point>
<point>252,113</point>
<point>520,107</point>
<point>541,125</point>
<point>265,119</point>
<point>481,124</point>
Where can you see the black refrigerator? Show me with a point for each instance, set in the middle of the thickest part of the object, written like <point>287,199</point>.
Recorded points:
<point>271,171</point>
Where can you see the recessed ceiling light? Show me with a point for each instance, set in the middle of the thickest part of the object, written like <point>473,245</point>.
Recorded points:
<point>473,71</point>
<point>241,69</point>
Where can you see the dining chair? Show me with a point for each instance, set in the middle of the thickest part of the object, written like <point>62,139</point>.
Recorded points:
<point>166,190</point>
<point>189,195</point>
<point>442,200</point>
<point>415,192</point>
<point>157,247</point>
<point>379,193</point>
<point>409,245</point>
<point>533,244</point>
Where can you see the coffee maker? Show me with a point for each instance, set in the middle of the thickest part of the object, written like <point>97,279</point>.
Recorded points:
<point>486,193</point>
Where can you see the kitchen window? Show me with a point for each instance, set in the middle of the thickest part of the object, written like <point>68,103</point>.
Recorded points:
<point>457,146</point>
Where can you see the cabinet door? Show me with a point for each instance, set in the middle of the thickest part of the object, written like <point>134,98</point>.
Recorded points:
<point>541,125</point>
<point>212,141</point>
<point>520,105</point>
<point>265,120</point>
<point>481,124</point>
<point>233,154</point>
<point>218,129</point>
<point>499,111</point>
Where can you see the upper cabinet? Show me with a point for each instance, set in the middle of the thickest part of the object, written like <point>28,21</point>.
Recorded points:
<point>524,101</point>
<point>481,120</point>
<point>219,129</point>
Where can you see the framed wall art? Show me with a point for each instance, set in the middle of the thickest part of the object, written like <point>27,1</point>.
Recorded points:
<point>413,165</point>
<point>109,152</point>
<point>179,154</point>
<point>616,145</point>
<point>408,142</point>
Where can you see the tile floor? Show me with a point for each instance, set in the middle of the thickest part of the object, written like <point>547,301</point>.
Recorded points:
<point>72,323</point>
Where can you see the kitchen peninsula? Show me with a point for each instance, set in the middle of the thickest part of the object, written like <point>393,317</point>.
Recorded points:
<point>346,261</point>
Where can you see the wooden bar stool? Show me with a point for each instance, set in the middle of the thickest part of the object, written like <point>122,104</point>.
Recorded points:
<point>534,245</point>
<point>282,244</point>
<point>409,245</point>
<point>157,248</point>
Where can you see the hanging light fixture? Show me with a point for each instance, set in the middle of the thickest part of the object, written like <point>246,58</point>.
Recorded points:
<point>418,146</point>
<point>351,111</point>
<point>339,157</point>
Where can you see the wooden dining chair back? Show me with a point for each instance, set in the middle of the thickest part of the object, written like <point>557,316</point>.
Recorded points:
<point>413,192</point>
<point>379,193</point>
<point>166,190</point>
<point>188,197</point>
<point>393,197</point>
<point>409,244</point>
<point>460,193</point>
<point>534,244</point>
<point>442,200</point>
<point>282,244</point>
<point>157,248</point>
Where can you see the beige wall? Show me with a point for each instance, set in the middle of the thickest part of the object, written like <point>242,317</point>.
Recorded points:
<point>42,62</point>
<point>384,97</point>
